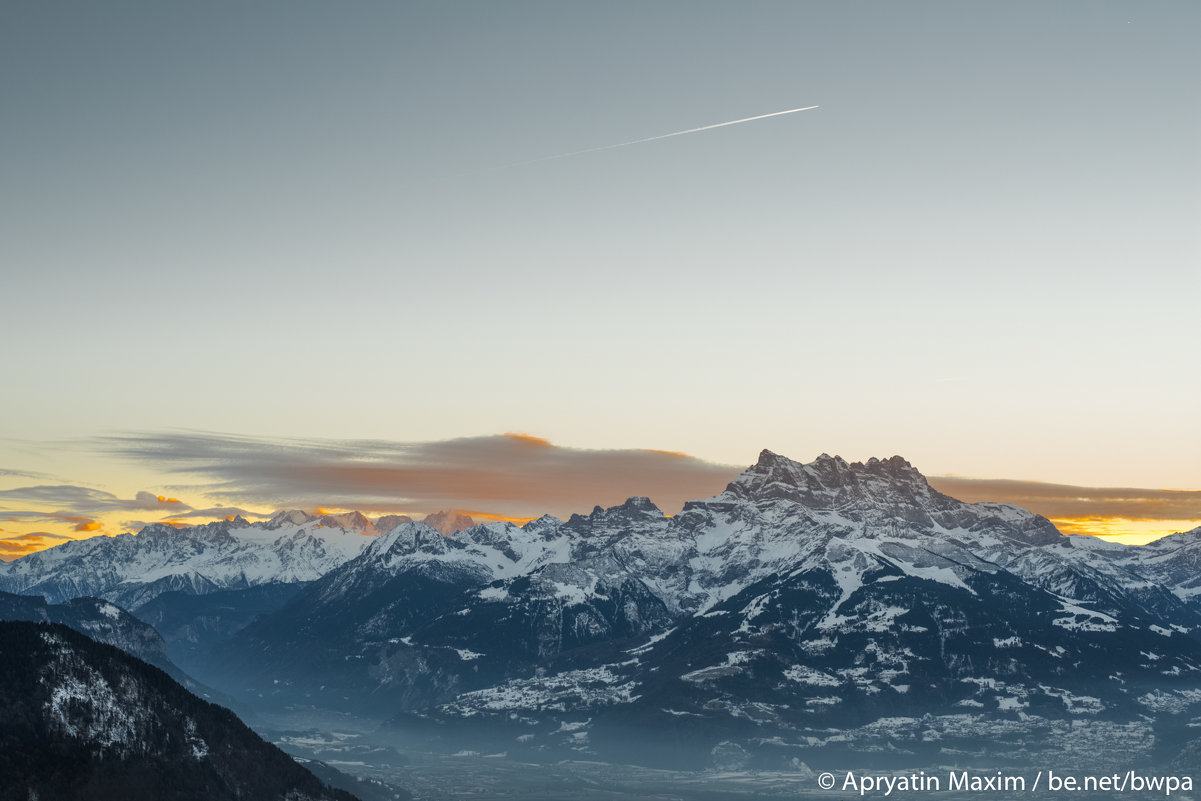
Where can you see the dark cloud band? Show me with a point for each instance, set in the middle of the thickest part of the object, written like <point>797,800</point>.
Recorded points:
<point>1068,501</point>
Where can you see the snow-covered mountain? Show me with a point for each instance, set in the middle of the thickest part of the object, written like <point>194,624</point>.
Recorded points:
<point>804,600</point>
<point>132,569</point>
<point>845,607</point>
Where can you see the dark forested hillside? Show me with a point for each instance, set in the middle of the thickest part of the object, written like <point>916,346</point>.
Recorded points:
<point>85,720</point>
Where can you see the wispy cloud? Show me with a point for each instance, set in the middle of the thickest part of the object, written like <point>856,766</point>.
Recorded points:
<point>79,523</point>
<point>20,474</point>
<point>1066,501</point>
<point>86,500</point>
<point>80,507</point>
<point>508,474</point>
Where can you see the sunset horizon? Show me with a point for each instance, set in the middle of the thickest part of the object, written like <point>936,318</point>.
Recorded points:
<point>506,477</point>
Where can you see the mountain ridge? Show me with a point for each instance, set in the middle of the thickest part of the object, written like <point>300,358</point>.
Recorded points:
<point>803,596</point>
<point>85,720</point>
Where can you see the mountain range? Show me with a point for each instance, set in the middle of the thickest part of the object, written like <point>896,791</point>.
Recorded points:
<point>292,547</point>
<point>828,610</point>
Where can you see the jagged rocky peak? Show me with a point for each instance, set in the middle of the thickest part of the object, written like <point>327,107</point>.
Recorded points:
<point>641,505</point>
<point>879,492</point>
<point>216,531</point>
<point>448,521</point>
<point>545,527</point>
<point>408,538</point>
<point>829,477</point>
<point>389,522</point>
<point>347,521</point>
<point>635,508</point>
<point>288,517</point>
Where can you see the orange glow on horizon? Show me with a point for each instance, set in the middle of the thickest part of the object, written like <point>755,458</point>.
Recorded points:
<point>1125,530</point>
<point>15,546</point>
<point>495,518</point>
<point>15,543</point>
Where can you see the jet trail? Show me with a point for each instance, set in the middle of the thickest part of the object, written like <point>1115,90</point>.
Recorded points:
<point>662,136</point>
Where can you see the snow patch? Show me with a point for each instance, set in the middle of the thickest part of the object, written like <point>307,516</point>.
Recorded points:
<point>803,674</point>
<point>493,594</point>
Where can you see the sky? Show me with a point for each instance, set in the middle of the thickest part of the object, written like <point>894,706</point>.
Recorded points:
<point>239,237</point>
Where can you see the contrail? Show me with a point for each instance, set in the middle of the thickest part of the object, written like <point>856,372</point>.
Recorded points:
<point>660,136</point>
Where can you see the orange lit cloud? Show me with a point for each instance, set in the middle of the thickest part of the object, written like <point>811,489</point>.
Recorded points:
<point>21,544</point>
<point>77,522</point>
<point>530,439</point>
<point>517,476</point>
<point>82,511</point>
<point>512,476</point>
<point>489,517</point>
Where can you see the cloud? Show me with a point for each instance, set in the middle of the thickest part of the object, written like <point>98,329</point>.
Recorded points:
<point>83,508</point>
<point>218,512</point>
<point>20,474</point>
<point>520,475</point>
<point>1068,502</point>
<point>515,475</point>
<point>88,501</point>
<point>80,522</point>
<point>21,544</point>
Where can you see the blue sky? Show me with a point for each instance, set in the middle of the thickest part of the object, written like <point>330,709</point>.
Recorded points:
<point>312,220</point>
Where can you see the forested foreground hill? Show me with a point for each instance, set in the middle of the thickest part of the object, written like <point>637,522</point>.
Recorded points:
<point>84,720</point>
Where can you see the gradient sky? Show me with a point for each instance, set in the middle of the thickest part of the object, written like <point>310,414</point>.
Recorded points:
<point>313,221</point>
